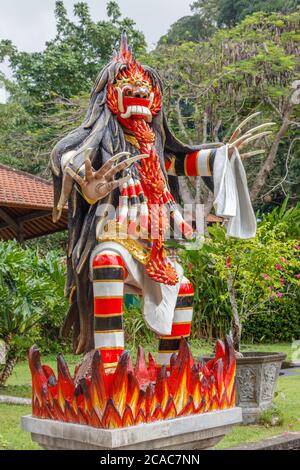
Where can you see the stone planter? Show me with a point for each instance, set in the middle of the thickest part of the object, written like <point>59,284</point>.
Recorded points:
<point>256,379</point>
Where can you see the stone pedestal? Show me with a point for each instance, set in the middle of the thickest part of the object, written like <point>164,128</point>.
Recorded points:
<point>200,431</point>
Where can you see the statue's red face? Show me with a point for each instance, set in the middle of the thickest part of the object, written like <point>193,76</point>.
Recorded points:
<point>132,95</point>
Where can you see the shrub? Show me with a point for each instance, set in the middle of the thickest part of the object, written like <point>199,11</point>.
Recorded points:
<point>272,416</point>
<point>31,289</point>
<point>136,331</point>
<point>52,268</point>
<point>264,272</point>
<point>275,324</point>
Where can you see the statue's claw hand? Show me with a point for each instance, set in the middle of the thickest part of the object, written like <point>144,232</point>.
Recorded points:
<point>238,141</point>
<point>252,154</point>
<point>96,185</point>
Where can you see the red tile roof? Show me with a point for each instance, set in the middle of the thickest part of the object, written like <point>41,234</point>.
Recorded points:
<point>20,189</point>
<point>26,203</point>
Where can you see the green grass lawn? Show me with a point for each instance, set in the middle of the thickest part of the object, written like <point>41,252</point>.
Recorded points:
<point>203,347</point>
<point>11,435</point>
<point>19,384</point>
<point>287,400</point>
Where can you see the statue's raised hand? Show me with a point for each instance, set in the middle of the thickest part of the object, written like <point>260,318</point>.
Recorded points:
<point>95,185</point>
<point>238,141</point>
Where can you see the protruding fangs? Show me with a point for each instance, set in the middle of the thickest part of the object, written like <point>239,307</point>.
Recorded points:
<point>120,100</point>
<point>127,114</point>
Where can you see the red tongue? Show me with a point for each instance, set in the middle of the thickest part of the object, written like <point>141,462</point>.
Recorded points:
<point>129,101</point>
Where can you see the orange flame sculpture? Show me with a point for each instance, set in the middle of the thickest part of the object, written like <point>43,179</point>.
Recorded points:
<point>131,396</point>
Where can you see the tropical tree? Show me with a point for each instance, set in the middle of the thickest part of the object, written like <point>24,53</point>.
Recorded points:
<point>192,28</point>
<point>212,86</point>
<point>47,84</point>
<point>71,61</point>
<point>230,12</point>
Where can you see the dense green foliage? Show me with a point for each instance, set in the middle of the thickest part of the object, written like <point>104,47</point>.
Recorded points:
<point>234,11</point>
<point>231,12</point>
<point>70,62</point>
<point>188,28</point>
<point>32,300</point>
<point>211,86</point>
<point>266,280</point>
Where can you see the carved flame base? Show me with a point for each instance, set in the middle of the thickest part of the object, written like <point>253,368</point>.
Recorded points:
<point>133,395</point>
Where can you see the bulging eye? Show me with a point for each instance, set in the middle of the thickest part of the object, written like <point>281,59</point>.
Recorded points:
<point>127,91</point>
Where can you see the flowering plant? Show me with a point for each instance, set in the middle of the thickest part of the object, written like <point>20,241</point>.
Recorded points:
<point>242,277</point>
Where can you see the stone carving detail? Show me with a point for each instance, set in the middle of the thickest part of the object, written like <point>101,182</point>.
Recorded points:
<point>269,377</point>
<point>246,381</point>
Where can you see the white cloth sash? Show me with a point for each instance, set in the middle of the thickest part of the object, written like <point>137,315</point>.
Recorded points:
<point>231,194</point>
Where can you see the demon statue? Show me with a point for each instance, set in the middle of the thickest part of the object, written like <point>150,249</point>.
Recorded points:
<point>117,171</point>
<point>125,117</point>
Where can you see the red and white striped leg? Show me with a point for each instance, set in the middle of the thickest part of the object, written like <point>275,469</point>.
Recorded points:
<point>182,322</point>
<point>109,273</point>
